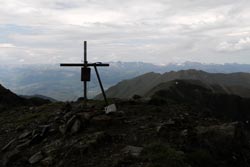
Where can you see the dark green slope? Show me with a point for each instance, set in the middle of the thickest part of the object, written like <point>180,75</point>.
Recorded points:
<point>233,83</point>
<point>210,100</point>
<point>9,100</point>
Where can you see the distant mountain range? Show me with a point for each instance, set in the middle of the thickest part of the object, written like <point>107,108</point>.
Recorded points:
<point>64,83</point>
<point>149,83</point>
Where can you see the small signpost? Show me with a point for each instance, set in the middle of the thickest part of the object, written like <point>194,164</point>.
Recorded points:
<point>86,73</point>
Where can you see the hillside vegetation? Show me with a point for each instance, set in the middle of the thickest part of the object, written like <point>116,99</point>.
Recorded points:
<point>144,85</point>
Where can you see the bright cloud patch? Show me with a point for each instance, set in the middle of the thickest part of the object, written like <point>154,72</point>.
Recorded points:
<point>7,45</point>
<point>242,44</point>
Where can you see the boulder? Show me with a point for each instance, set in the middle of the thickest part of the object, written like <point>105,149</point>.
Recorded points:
<point>36,138</point>
<point>67,108</point>
<point>9,156</point>
<point>184,133</point>
<point>163,126</point>
<point>25,134</point>
<point>170,122</point>
<point>159,127</point>
<point>85,115</point>
<point>68,115</point>
<point>76,127</point>
<point>132,150</point>
<point>23,144</point>
<point>70,123</point>
<point>45,130</point>
<point>8,145</point>
<point>227,129</point>
<point>73,125</point>
<point>49,161</point>
<point>62,129</point>
<point>36,158</point>
<point>101,120</point>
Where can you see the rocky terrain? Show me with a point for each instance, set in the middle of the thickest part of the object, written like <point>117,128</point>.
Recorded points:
<point>186,124</point>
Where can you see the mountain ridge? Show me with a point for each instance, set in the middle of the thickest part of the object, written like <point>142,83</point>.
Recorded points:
<point>8,99</point>
<point>231,82</point>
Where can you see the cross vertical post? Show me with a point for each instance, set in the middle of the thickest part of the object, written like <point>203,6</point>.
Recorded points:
<point>85,53</point>
<point>85,66</point>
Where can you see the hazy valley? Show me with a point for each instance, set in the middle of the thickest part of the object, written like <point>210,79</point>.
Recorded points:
<point>64,83</point>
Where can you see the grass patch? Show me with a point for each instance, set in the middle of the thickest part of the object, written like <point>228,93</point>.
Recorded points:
<point>201,157</point>
<point>162,155</point>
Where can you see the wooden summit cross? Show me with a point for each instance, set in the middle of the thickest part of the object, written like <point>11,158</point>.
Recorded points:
<point>86,72</point>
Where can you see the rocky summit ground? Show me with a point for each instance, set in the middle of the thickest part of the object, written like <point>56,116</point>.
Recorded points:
<point>140,134</point>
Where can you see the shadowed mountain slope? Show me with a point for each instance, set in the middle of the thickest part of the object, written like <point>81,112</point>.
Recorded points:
<point>9,99</point>
<point>191,84</point>
<point>233,83</point>
<point>210,100</point>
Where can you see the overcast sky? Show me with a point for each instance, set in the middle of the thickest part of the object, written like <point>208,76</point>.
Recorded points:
<point>157,31</point>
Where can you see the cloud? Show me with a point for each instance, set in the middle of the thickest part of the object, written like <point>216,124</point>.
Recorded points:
<point>163,31</point>
<point>7,45</point>
<point>241,44</point>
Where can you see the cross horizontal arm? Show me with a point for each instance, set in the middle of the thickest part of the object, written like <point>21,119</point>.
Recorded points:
<point>82,64</point>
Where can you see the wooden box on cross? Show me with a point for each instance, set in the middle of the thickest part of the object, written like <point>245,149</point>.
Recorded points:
<point>85,74</point>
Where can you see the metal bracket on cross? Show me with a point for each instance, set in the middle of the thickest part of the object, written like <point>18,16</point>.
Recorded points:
<point>86,72</point>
